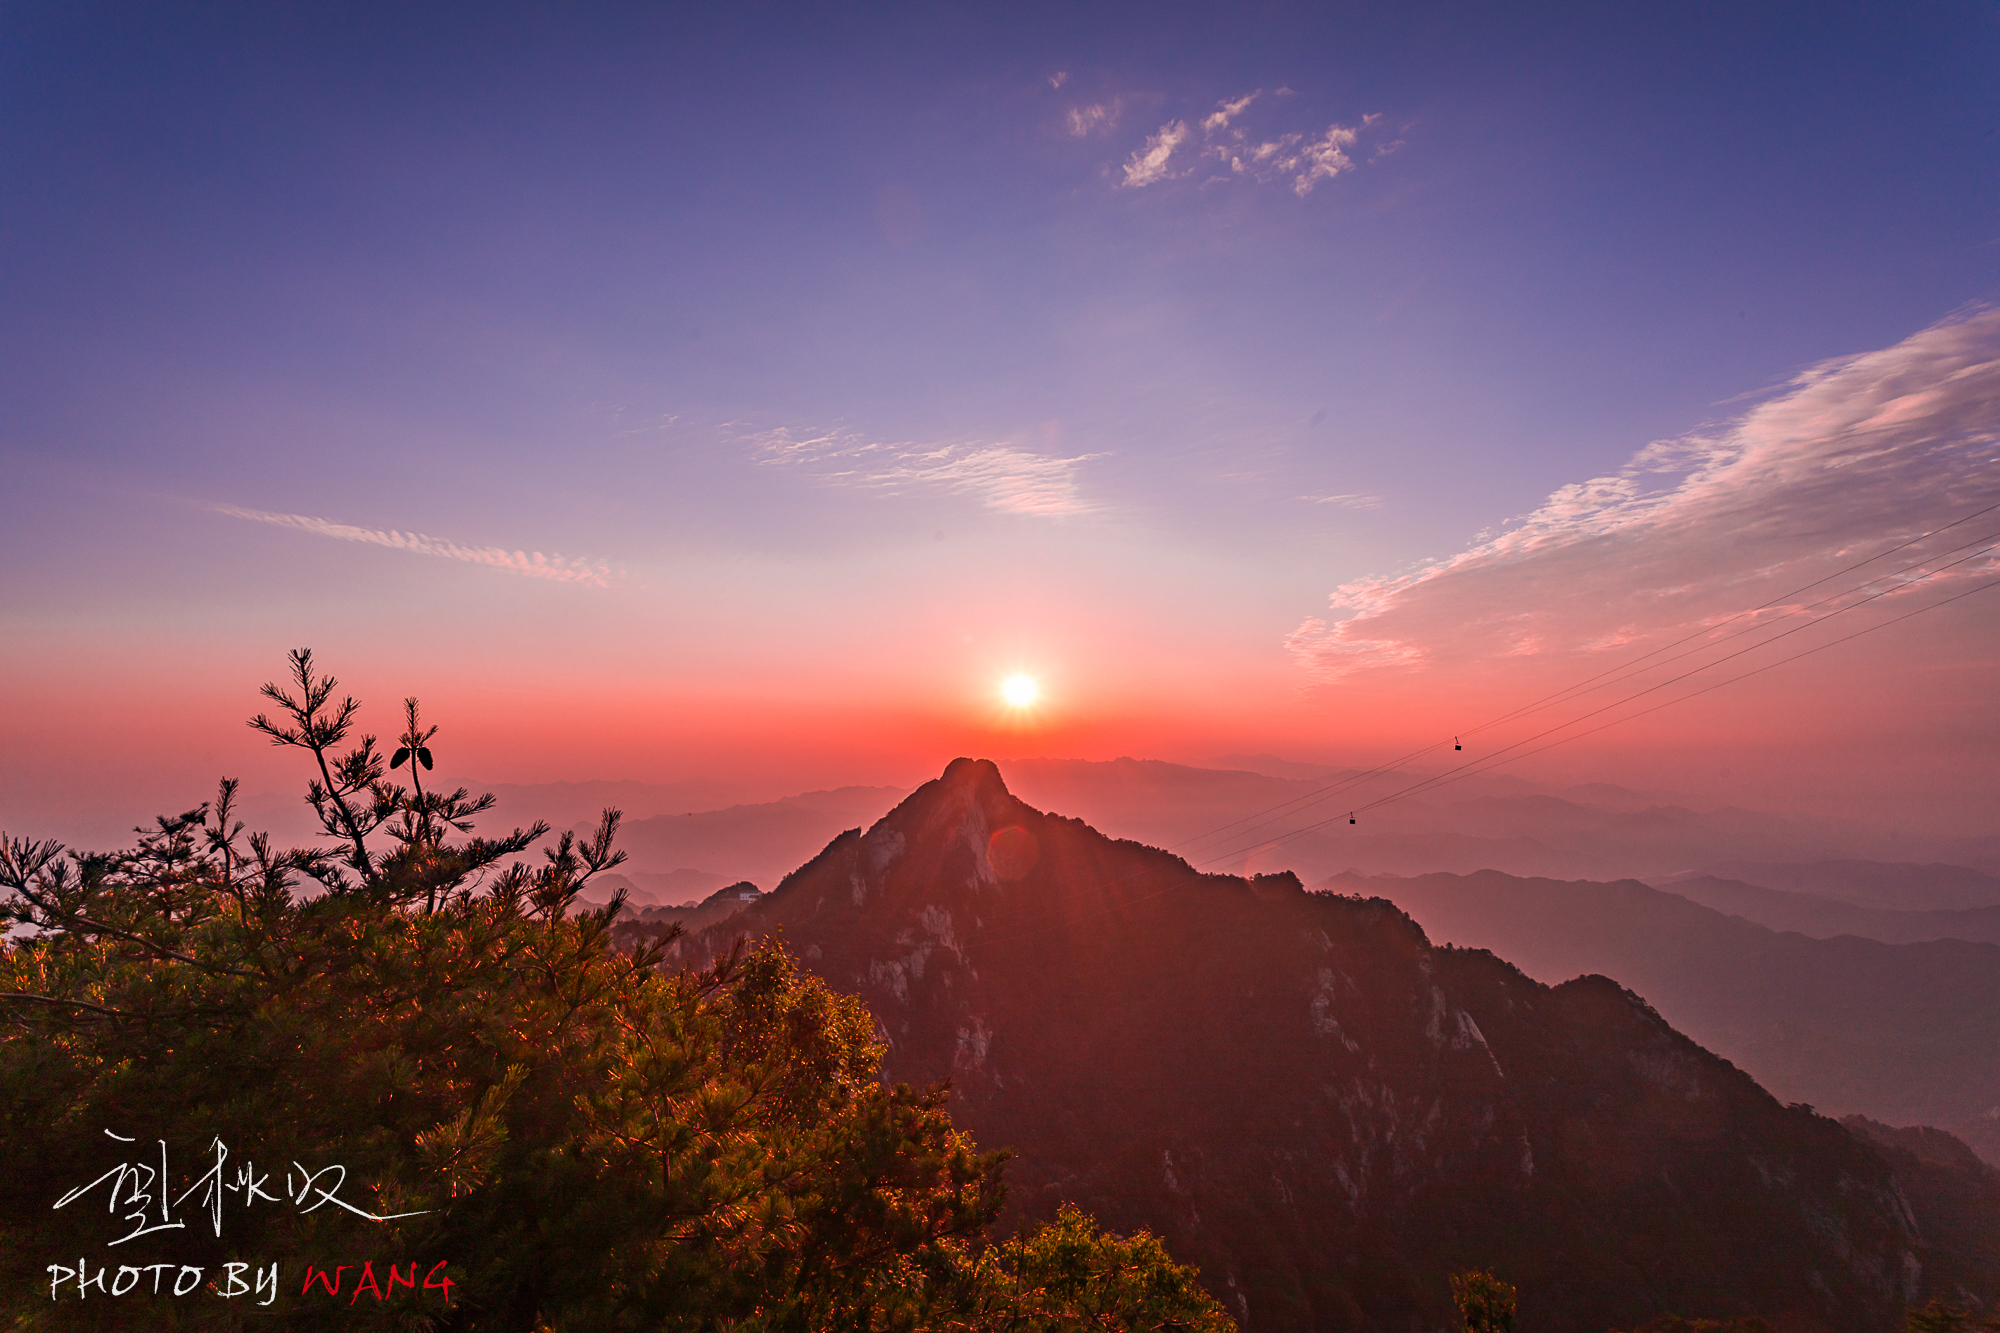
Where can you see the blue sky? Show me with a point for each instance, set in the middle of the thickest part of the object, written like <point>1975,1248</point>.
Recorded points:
<point>808,327</point>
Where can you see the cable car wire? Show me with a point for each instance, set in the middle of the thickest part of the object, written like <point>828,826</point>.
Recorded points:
<point>1489,762</point>
<point>1271,814</point>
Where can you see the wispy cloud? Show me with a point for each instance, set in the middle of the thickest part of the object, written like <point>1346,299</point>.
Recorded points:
<point>1225,112</point>
<point>1002,477</point>
<point>1345,501</point>
<point>1301,159</point>
<point>1856,455</point>
<point>1298,158</point>
<point>1149,164</point>
<point>1087,120</point>
<point>530,564</point>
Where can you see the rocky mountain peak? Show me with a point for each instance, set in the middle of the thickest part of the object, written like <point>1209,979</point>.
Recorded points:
<point>1328,1114</point>
<point>981,774</point>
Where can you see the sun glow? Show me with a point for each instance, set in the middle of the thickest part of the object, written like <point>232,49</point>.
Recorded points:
<point>1020,691</point>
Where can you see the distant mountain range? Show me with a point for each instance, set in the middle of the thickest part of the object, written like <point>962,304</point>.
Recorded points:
<point>1249,821</point>
<point>1223,818</point>
<point>1905,1033</point>
<point>675,889</point>
<point>1878,885</point>
<point>1329,1114</point>
<point>755,842</point>
<point>1823,918</point>
<point>654,923</point>
<point>563,804</point>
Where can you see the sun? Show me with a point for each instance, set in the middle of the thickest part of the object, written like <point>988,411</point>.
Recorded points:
<point>1020,691</point>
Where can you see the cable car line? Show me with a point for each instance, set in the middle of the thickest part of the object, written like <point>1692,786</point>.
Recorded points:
<point>1489,762</point>
<point>1740,614</point>
<point>1277,811</point>
<point>1463,768</point>
<point>1733,679</point>
<point>1577,690</point>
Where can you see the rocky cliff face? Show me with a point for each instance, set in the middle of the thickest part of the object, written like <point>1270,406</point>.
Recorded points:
<point>1303,1096</point>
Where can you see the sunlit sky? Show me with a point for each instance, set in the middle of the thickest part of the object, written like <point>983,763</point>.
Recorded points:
<point>661,391</point>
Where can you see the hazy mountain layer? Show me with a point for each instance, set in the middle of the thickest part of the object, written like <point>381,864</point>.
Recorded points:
<point>1982,1135</point>
<point>754,842</point>
<point>679,888</point>
<point>1887,885</point>
<point>566,803</point>
<point>654,923</point>
<point>1229,821</point>
<point>1906,1033</point>
<point>1823,918</point>
<point>1325,1112</point>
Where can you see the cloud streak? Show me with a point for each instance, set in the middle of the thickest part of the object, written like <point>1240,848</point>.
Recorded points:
<point>1002,477</point>
<point>1226,111</point>
<point>1300,159</point>
<point>1086,120</point>
<point>1855,456</point>
<point>528,564</point>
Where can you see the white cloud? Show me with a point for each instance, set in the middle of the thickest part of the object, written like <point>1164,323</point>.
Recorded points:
<point>1303,161</point>
<point>1297,158</point>
<point>1085,120</point>
<point>1857,455</point>
<point>1059,78</point>
<point>1149,164</point>
<point>1010,480</point>
<point>1000,476</point>
<point>1345,501</point>
<point>531,564</point>
<point>1225,112</point>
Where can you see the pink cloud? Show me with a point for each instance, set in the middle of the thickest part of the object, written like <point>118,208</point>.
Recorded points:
<point>1087,120</point>
<point>1297,158</point>
<point>1858,455</point>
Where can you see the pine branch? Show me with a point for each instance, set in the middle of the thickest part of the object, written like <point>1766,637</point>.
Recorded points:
<point>57,1000</point>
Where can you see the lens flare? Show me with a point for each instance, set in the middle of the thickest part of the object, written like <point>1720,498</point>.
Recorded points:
<point>1019,691</point>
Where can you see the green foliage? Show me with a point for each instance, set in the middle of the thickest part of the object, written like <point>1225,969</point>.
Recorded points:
<point>1485,1301</point>
<point>587,1140</point>
<point>1942,1317</point>
<point>1070,1276</point>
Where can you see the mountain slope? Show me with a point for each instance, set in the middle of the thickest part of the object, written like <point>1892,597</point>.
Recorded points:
<point>1901,1032</point>
<point>1325,1112</point>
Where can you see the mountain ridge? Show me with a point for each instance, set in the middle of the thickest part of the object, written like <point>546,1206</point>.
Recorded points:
<point>1905,1033</point>
<point>1325,1111</point>
<point>1934,886</point>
